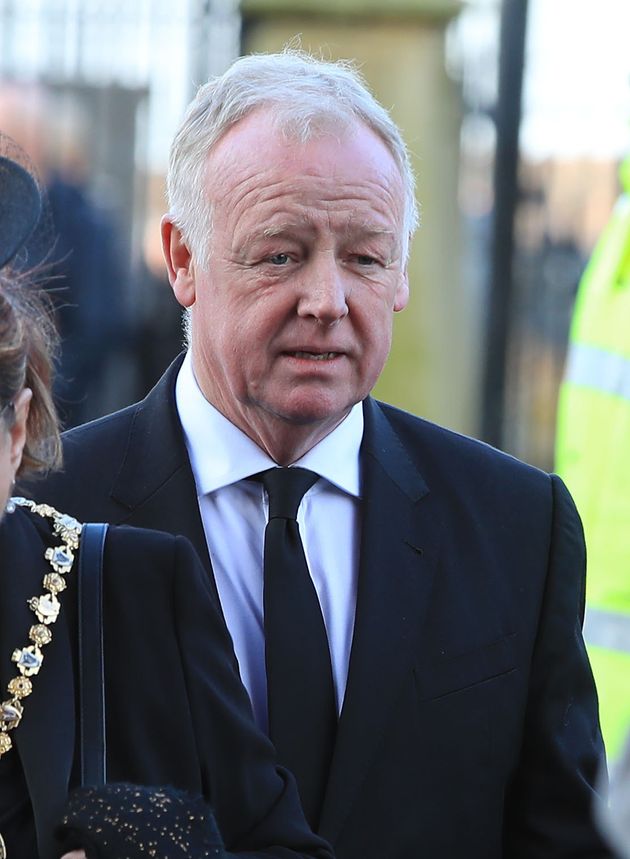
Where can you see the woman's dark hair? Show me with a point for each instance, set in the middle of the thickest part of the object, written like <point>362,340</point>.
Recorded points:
<point>28,347</point>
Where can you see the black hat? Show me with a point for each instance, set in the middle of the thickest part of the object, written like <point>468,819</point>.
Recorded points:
<point>20,208</point>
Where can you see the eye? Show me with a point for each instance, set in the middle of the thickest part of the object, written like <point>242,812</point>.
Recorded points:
<point>365,260</point>
<point>279,259</point>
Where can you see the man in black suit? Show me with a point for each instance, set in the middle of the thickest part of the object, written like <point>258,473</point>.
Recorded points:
<point>450,576</point>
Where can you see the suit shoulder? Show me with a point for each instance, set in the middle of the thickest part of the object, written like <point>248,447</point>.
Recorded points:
<point>109,436</point>
<point>147,555</point>
<point>91,454</point>
<point>130,539</point>
<point>436,447</point>
<point>113,464</point>
<point>472,481</point>
<point>131,544</point>
<point>98,434</point>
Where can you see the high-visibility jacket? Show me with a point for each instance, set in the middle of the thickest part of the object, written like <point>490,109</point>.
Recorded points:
<point>593,457</point>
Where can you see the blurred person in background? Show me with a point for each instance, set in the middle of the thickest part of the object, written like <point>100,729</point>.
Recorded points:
<point>175,710</point>
<point>87,265</point>
<point>418,660</point>
<point>593,457</point>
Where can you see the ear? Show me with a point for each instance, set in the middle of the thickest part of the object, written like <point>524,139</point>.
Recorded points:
<point>179,262</point>
<point>401,298</point>
<point>17,432</point>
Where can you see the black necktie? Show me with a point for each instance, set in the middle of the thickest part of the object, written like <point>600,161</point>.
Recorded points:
<point>300,696</point>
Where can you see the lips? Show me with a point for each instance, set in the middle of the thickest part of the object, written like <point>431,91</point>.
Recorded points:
<point>313,356</point>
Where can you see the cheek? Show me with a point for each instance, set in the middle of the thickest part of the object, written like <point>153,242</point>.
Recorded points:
<point>373,324</point>
<point>243,347</point>
<point>378,354</point>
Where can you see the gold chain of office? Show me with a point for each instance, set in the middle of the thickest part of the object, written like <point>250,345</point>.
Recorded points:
<point>45,607</point>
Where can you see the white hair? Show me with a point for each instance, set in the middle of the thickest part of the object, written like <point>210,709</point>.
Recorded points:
<point>308,98</point>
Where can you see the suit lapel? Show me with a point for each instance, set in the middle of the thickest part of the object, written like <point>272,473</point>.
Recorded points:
<point>45,737</point>
<point>397,562</point>
<point>155,481</point>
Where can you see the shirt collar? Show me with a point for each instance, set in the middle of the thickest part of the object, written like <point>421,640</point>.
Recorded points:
<point>221,454</point>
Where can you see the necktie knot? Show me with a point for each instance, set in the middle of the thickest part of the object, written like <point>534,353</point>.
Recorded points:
<point>285,488</point>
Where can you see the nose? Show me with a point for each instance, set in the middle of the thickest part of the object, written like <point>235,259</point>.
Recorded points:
<point>323,294</point>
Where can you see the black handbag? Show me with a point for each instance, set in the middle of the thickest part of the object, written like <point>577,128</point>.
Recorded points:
<point>92,744</point>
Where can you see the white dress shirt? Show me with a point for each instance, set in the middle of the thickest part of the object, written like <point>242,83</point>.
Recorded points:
<point>234,511</point>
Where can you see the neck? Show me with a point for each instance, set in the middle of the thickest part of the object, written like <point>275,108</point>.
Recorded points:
<point>283,441</point>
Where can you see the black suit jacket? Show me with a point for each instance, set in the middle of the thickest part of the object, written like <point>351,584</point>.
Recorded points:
<point>469,726</point>
<point>176,711</point>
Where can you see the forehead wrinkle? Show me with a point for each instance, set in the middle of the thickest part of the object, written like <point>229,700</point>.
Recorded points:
<point>363,229</point>
<point>244,188</point>
<point>273,186</point>
<point>331,199</point>
<point>284,227</point>
<point>368,229</point>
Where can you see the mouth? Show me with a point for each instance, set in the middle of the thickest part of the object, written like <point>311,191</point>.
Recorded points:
<point>313,356</point>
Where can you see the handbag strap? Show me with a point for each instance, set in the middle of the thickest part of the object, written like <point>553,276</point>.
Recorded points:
<point>91,676</point>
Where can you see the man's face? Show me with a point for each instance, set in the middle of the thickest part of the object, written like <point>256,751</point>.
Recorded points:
<point>292,317</point>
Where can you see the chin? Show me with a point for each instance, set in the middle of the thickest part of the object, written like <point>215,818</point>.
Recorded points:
<point>306,410</point>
